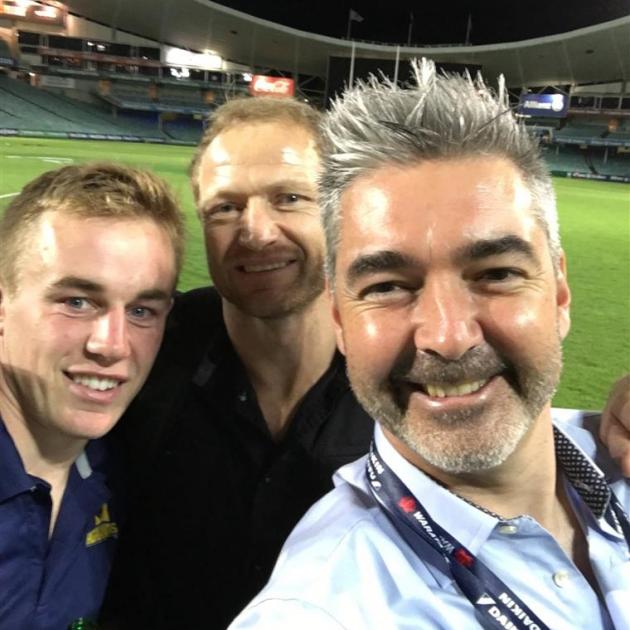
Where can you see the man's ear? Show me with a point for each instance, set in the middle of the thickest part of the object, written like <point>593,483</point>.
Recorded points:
<point>563,297</point>
<point>336,319</point>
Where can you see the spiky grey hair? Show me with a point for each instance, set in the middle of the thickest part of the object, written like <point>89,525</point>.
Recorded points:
<point>376,123</point>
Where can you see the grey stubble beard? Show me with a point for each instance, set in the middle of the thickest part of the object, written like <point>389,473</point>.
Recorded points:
<point>473,439</point>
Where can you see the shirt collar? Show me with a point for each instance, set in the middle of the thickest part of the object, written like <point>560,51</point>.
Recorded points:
<point>83,466</point>
<point>13,478</point>
<point>587,479</point>
<point>470,526</point>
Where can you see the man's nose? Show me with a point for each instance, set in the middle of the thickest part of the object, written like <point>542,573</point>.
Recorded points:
<point>109,337</point>
<point>447,319</point>
<point>258,225</point>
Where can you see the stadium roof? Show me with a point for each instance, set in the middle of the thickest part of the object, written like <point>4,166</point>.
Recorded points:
<point>453,21</point>
<point>596,53</point>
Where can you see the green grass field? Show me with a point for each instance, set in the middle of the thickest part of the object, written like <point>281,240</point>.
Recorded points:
<point>594,216</point>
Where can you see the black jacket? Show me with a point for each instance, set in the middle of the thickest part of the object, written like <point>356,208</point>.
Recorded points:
<point>213,497</point>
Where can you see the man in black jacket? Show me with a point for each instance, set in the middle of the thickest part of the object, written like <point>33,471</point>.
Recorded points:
<point>248,411</point>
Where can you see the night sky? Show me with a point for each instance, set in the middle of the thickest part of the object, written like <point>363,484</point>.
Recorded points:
<point>437,21</point>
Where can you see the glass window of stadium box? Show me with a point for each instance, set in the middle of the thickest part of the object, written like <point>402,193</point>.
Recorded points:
<point>144,52</point>
<point>610,102</point>
<point>28,41</point>
<point>65,43</point>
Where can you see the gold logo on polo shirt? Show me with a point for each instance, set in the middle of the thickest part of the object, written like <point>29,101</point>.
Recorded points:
<point>104,528</point>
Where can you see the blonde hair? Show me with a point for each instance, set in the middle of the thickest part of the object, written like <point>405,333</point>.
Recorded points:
<point>94,190</point>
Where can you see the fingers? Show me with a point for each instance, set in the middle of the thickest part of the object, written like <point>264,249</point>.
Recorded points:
<point>615,425</point>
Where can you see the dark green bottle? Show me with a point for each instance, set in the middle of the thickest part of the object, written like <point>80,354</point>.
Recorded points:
<point>83,624</point>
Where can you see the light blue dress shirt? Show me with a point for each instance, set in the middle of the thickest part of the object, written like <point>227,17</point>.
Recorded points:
<point>346,567</point>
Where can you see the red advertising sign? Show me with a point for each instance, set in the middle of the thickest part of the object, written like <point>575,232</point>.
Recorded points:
<point>262,85</point>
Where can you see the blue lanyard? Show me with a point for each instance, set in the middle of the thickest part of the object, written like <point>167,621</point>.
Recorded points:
<point>496,604</point>
<point>619,517</point>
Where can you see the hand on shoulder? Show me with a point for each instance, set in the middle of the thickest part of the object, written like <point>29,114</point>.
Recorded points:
<point>615,425</point>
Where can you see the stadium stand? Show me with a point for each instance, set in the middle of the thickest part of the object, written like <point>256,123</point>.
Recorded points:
<point>27,108</point>
<point>153,97</point>
<point>580,131</point>
<point>185,131</point>
<point>593,160</point>
<point>130,88</point>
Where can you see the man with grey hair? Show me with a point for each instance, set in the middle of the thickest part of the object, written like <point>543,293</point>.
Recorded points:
<point>451,301</point>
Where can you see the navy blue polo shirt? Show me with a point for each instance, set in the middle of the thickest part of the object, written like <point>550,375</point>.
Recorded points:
<point>46,584</point>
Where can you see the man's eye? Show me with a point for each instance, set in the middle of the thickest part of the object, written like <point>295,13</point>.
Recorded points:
<point>221,208</point>
<point>141,313</point>
<point>76,303</point>
<point>381,287</point>
<point>290,199</point>
<point>383,291</point>
<point>500,274</point>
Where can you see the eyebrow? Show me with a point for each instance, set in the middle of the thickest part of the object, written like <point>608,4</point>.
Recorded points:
<point>389,260</point>
<point>81,284</point>
<point>484,248</point>
<point>293,182</point>
<point>298,184</point>
<point>89,286</point>
<point>385,260</point>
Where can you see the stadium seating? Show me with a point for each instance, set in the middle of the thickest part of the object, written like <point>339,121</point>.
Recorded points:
<point>137,96</point>
<point>181,97</point>
<point>26,108</point>
<point>184,131</point>
<point>575,130</point>
<point>573,159</point>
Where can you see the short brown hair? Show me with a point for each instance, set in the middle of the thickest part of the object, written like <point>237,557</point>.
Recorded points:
<point>94,190</point>
<point>255,110</point>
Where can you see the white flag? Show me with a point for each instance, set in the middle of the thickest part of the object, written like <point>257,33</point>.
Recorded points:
<point>355,17</point>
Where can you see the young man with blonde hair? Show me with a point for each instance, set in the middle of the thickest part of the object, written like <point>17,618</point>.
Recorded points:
<point>89,261</point>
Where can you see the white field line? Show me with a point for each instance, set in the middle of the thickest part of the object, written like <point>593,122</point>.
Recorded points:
<point>44,158</point>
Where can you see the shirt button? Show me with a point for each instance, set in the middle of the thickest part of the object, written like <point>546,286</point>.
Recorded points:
<point>561,578</point>
<point>508,529</point>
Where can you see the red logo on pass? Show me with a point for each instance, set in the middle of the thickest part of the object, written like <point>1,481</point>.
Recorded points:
<point>463,557</point>
<point>407,504</point>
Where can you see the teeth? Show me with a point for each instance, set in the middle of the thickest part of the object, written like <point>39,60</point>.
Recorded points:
<point>443,391</point>
<point>269,267</point>
<point>99,384</point>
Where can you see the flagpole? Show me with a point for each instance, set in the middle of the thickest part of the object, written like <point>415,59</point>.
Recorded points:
<point>349,24</point>
<point>410,28</point>
<point>396,64</point>
<point>468,28</point>
<point>351,77</point>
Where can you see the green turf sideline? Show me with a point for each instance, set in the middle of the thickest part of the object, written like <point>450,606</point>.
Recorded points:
<point>595,226</point>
